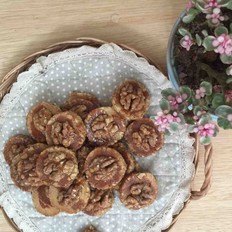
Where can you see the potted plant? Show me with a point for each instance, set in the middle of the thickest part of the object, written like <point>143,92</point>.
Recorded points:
<point>199,61</point>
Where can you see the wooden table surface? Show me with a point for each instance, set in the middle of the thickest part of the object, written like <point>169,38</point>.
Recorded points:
<point>27,26</point>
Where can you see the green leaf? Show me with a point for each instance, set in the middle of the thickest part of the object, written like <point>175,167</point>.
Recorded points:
<point>205,119</point>
<point>184,32</point>
<point>208,87</point>
<point>205,140</point>
<point>224,123</point>
<point>191,128</point>
<point>167,132</point>
<point>229,5</point>
<point>220,30</point>
<point>228,70</point>
<point>192,13</point>
<point>207,43</point>
<point>167,92</point>
<point>218,100</point>
<point>223,111</point>
<point>189,120</point>
<point>165,105</point>
<point>200,5</point>
<point>208,99</point>
<point>231,28</point>
<point>196,109</point>
<point>226,59</point>
<point>205,33</point>
<point>229,80</point>
<point>185,90</point>
<point>174,126</point>
<point>223,2</point>
<point>199,40</point>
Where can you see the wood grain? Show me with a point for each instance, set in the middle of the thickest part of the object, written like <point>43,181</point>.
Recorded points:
<point>27,26</point>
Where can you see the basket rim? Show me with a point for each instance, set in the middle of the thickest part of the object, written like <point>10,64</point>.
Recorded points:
<point>10,78</point>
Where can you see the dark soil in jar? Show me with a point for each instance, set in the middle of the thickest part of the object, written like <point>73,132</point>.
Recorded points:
<point>191,65</point>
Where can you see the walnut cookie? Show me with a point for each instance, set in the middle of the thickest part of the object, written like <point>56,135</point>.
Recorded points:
<point>66,129</point>
<point>104,126</point>
<point>143,137</point>
<point>57,166</point>
<point>104,168</point>
<point>42,202</point>
<point>81,103</point>
<point>15,145</point>
<point>100,202</point>
<point>38,117</point>
<point>129,159</point>
<point>90,228</point>
<point>23,167</point>
<point>138,190</point>
<point>82,154</point>
<point>131,99</point>
<point>71,200</point>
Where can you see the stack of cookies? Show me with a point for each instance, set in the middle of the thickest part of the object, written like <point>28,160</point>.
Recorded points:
<point>78,154</point>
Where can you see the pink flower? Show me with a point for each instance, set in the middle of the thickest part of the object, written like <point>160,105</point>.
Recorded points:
<point>189,5</point>
<point>206,130</point>
<point>163,120</point>
<point>216,16</point>
<point>176,101</point>
<point>212,4</point>
<point>217,88</point>
<point>228,95</point>
<point>229,118</point>
<point>186,42</point>
<point>200,93</point>
<point>223,44</point>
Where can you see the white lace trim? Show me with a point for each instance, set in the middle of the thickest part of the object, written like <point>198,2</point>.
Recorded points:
<point>158,222</point>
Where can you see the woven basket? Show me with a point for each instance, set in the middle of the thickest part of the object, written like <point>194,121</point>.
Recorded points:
<point>11,77</point>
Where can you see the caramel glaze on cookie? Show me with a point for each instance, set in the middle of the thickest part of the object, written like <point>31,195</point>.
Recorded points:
<point>104,126</point>
<point>131,99</point>
<point>138,190</point>
<point>16,145</point>
<point>66,129</point>
<point>100,202</point>
<point>90,228</point>
<point>38,117</point>
<point>81,103</point>
<point>143,137</point>
<point>42,202</point>
<point>104,168</point>
<point>57,166</point>
<point>129,159</point>
<point>73,199</point>
<point>23,167</point>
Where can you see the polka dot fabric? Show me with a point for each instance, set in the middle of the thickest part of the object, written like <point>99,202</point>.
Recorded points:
<point>97,72</point>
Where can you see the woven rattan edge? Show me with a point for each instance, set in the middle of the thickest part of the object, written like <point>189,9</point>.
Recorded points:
<point>10,78</point>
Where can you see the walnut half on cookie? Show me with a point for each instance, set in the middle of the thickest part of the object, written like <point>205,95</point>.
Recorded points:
<point>66,129</point>
<point>23,167</point>
<point>71,200</point>
<point>100,202</point>
<point>138,190</point>
<point>81,103</point>
<point>131,99</point>
<point>38,117</point>
<point>104,168</point>
<point>57,166</point>
<point>15,145</point>
<point>143,137</point>
<point>104,126</point>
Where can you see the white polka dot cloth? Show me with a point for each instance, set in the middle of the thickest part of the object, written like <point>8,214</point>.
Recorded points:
<point>97,71</point>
